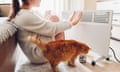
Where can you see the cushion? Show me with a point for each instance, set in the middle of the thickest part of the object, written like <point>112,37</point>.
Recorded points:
<point>7,29</point>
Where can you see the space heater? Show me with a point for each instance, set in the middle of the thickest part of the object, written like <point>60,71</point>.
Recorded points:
<point>94,29</point>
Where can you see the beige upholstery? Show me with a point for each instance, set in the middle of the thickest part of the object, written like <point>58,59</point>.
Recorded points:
<point>7,47</point>
<point>6,53</point>
<point>5,8</point>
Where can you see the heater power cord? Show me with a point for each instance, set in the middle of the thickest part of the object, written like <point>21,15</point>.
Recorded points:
<point>115,56</point>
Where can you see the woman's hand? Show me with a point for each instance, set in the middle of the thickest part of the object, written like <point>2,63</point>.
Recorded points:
<point>75,18</point>
<point>54,18</point>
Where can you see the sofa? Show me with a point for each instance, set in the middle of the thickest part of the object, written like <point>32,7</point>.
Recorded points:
<point>7,47</point>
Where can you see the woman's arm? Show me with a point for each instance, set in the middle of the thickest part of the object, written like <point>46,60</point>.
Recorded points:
<point>36,24</point>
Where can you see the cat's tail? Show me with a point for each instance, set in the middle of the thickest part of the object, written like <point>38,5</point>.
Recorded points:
<point>38,42</point>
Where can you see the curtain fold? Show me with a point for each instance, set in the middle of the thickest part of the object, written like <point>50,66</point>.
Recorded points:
<point>58,6</point>
<point>68,5</point>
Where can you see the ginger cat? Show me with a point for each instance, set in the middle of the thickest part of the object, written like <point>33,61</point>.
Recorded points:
<point>61,50</point>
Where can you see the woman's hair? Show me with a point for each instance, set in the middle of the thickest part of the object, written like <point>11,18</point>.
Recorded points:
<point>16,8</point>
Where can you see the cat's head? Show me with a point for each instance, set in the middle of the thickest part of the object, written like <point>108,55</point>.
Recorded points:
<point>84,49</point>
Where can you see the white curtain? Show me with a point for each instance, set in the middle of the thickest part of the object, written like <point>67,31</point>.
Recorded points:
<point>68,5</point>
<point>62,5</point>
<point>54,5</point>
<point>57,5</point>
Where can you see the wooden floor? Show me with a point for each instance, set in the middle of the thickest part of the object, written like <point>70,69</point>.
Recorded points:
<point>101,66</point>
<point>110,66</point>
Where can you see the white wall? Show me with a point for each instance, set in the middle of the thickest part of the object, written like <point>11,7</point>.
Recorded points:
<point>76,5</point>
<point>82,4</point>
<point>109,5</point>
<point>89,4</point>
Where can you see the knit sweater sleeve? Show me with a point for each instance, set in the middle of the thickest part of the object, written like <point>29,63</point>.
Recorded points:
<point>34,23</point>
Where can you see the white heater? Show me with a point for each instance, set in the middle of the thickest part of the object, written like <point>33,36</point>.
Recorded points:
<point>94,30</point>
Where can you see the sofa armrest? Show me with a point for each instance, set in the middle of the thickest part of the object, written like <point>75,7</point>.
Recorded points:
<point>7,49</point>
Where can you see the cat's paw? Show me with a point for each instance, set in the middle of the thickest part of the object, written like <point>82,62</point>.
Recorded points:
<point>71,65</point>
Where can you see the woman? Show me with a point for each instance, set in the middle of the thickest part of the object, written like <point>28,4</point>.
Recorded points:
<point>29,23</point>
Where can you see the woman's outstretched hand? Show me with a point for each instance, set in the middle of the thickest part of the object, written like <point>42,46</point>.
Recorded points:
<point>75,18</point>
